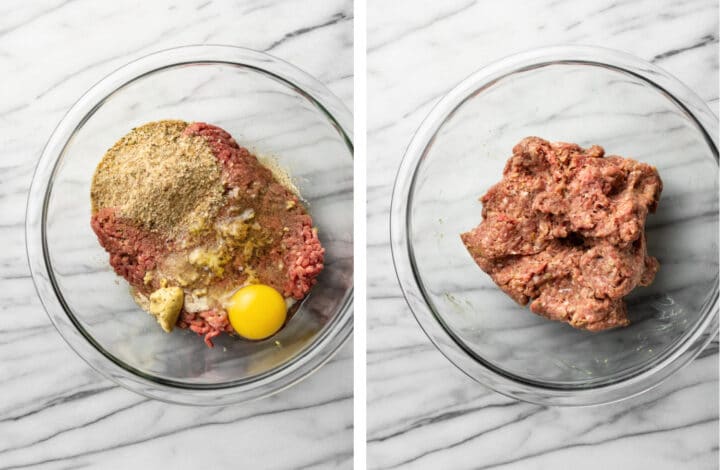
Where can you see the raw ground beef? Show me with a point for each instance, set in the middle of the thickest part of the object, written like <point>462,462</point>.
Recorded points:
<point>209,323</point>
<point>299,251</point>
<point>133,251</point>
<point>290,261</point>
<point>564,231</point>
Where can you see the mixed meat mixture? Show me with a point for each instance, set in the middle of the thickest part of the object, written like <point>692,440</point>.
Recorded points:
<point>188,217</point>
<point>564,230</point>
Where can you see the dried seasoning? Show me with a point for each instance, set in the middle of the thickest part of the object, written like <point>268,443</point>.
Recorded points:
<point>160,178</point>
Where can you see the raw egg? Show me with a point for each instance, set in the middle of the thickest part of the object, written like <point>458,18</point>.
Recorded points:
<point>257,311</point>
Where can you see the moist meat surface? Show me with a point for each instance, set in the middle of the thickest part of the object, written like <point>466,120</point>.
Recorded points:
<point>564,231</point>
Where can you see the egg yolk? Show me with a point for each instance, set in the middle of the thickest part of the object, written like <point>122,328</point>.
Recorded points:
<point>257,311</point>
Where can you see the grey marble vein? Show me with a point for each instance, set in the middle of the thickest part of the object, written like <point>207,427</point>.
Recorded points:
<point>57,413</point>
<point>422,411</point>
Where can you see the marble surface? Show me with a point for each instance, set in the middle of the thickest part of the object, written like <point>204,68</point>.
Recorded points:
<point>55,411</point>
<point>422,411</point>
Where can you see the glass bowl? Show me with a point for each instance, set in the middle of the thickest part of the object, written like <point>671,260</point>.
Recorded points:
<point>270,107</point>
<point>574,94</point>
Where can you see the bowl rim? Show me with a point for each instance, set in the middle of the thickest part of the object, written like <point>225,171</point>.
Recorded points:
<point>304,363</point>
<point>430,321</point>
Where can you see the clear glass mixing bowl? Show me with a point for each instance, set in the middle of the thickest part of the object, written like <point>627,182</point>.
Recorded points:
<point>270,107</point>
<point>574,94</point>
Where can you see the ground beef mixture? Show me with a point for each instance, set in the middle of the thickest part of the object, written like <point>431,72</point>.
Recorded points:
<point>180,205</point>
<point>565,231</point>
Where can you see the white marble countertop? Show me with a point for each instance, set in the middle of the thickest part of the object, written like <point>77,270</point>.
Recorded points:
<point>55,412</point>
<point>422,411</point>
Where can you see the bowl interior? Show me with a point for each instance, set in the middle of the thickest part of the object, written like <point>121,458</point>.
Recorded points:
<point>265,114</point>
<point>586,104</point>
